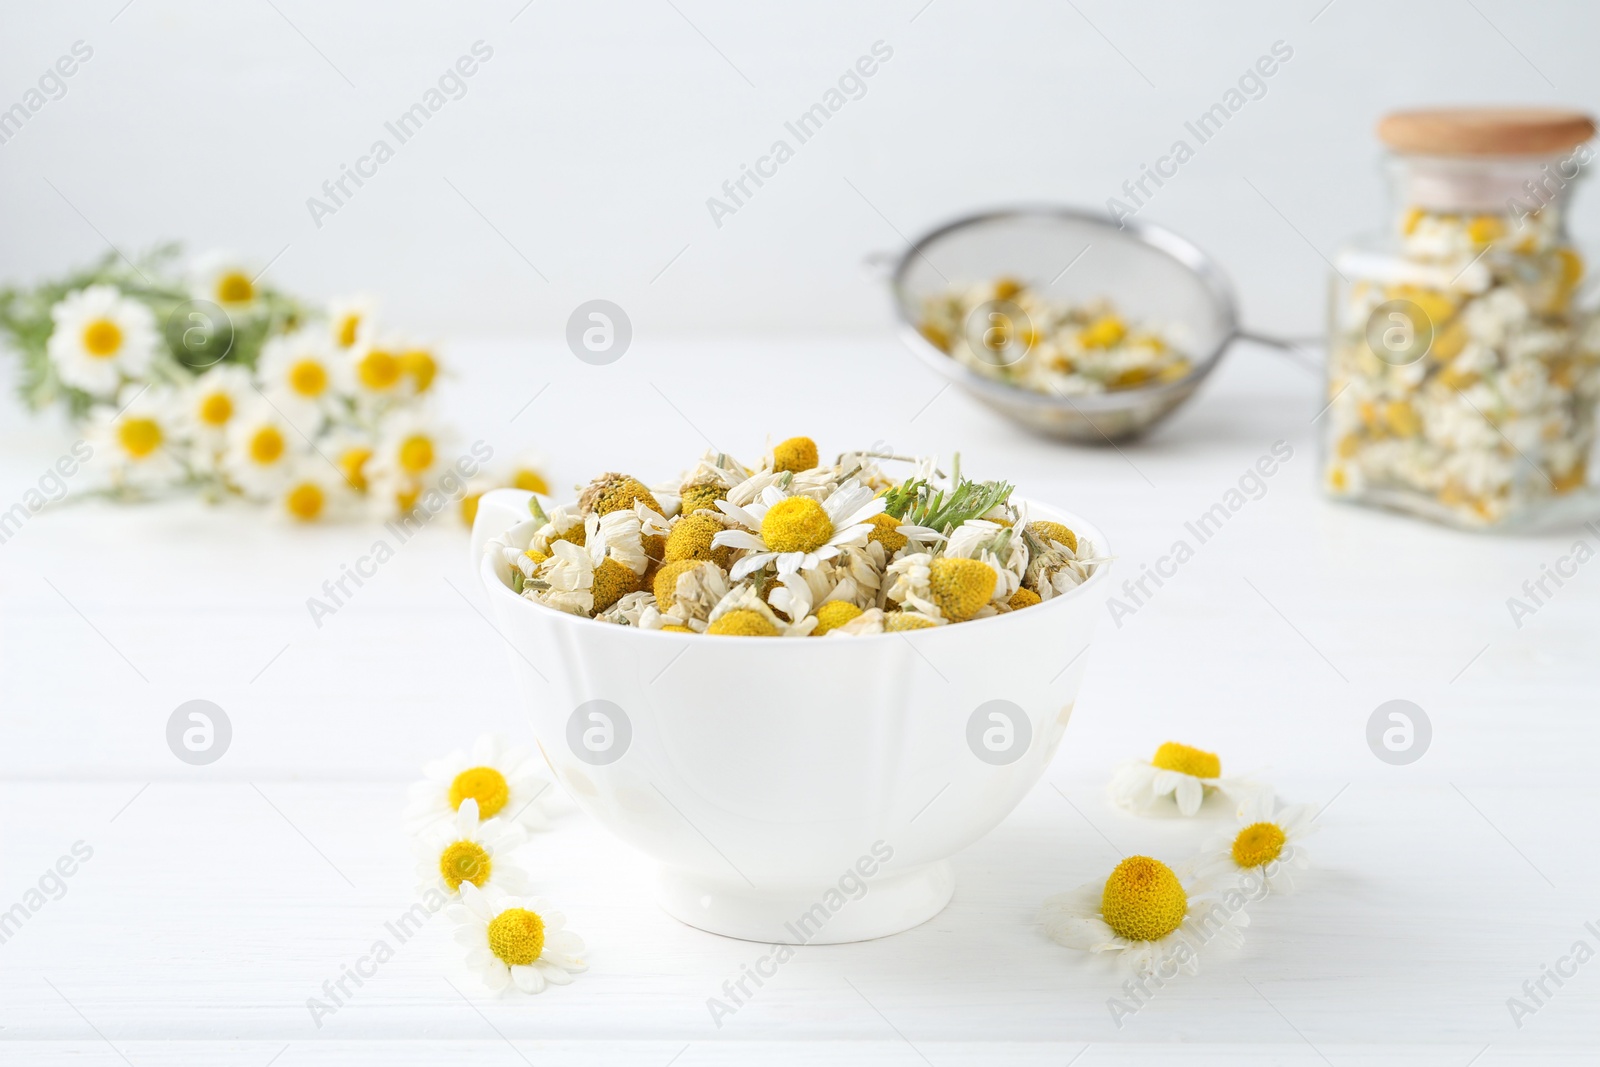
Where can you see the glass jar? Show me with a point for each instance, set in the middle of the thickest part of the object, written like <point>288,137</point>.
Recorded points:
<point>1463,378</point>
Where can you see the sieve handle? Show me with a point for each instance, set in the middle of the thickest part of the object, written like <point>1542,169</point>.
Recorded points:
<point>1292,347</point>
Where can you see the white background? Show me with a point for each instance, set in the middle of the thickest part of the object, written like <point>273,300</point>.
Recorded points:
<point>220,898</point>
<point>593,138</point>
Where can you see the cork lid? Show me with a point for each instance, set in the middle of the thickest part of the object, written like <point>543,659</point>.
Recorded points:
<point>1485,131</point>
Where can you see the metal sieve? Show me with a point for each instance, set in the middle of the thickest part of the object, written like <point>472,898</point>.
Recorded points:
<point>1149,274</point>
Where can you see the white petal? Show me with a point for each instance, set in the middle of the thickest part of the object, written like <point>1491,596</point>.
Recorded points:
<point>552,972</point>
<point>1190,794</point>
<point>528,979</point>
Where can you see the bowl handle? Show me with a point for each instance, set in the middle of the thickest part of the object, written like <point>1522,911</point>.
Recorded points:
<point>498,511</point>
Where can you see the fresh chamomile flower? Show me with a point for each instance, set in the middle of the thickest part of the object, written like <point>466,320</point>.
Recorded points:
<point>1176,774</point>
<point>226,281</point>
<point>515,941</point>
<point>350,322</point>
<point>261,450</point>
<point>798,531</point>
<point>101,339</point>
<point>311,491</point>
<point>1262,851</point>
<point>470,850</point>
<point>504,781</point>
<point>212,401</point>
<point>143,446</point>
<point>300,374</point>
<point>1148,915</point>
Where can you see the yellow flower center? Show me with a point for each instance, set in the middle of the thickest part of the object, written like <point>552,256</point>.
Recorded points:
<point>1054,531</point>
<point>216,409</point>
<point>485,785</point>
<point>266,445</point>
<point>353,462</point>
<point>612,582</point>
<point>378,370</point>
<point>743,623</point>
<point>795,454</point>
<point>1172,756</point>
<point>469,508</point>
<point>305,501</point>
<point>691,539</point>
<point>516,935</point>
<point>833,614</point>
<point>416,453</point>
<point>420,366</point>
<point>102,338</point>
<point>1143,900</point>
<point>1104,332</point>
<point>464,861</point>
<point>896,621</point>
<point>1257,844</point>
<point>885,531</point>
<point>796,524</point>
<point>139,437</point>
<point>235,288</point>
<point>349,328</point>
<point>961,587</point>
<point>308,378</point>
<point>530,480</point>
<point>1023,598</point>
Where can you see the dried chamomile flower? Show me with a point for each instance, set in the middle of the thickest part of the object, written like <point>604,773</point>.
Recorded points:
<point>687,590</point>
<point>630,609</point>
<point>896,621</point>
<point>1023,598</point>
<point>1146,914</point>
<point>564,580</point>
<point>886,532</point>
<point>615,545</point>
<point>1176,774</point>
<point>752,616</point>
<point>961,587</point>
<point>1049,532</point>
<point>834,614</point>
<point>795,454</point>
<point>615,492</point>
<point>565,524</point>
<point>691,539</point>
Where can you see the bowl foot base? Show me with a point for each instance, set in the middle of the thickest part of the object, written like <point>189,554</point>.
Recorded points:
<point>823,915</point>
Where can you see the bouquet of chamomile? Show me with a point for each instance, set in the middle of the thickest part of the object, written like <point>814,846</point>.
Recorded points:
<point>198,377</point>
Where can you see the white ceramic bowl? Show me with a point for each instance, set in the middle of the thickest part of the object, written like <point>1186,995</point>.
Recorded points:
<point>796,790</point>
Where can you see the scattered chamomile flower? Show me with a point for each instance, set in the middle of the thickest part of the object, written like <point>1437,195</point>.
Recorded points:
<point>1176,774</point>
<point>1264,849</point>
<point>101,339</point>
<point>226,281</point>
<point>301,375</point>
<point>515,941</point>
<point>261,450</point>
<point>798,532</point>
<point>504,781</point>
<point>1146,914</point>
<point>143,447</point>
<point>470,850</point>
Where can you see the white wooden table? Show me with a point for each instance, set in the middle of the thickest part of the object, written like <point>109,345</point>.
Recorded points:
<point>219,898</point>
